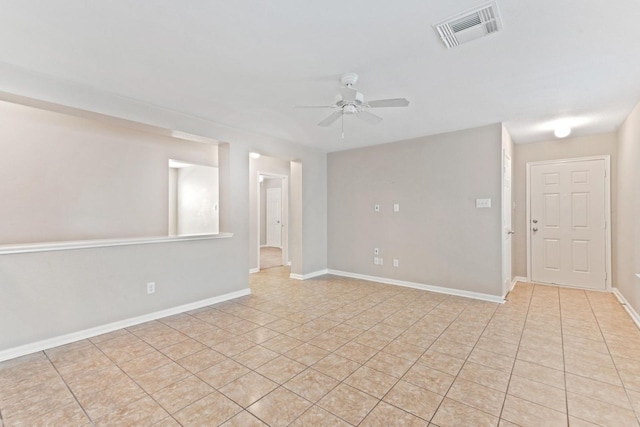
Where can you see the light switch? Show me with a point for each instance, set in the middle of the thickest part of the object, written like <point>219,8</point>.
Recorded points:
<point>396,207</point>
<point>483,203</point>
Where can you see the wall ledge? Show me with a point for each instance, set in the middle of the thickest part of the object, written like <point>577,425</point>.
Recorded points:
<point>48,343</point>
<point>85,244</point>
<point>424,287</point>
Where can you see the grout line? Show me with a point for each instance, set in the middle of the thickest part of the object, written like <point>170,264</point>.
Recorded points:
<point>515,358</point>
<point>564,361</point>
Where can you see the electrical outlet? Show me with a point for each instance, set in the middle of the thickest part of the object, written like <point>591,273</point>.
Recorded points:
<point>380,261</point>
<point>376,208</point>
<point>376,251</point>
<point>396,263</point>
<point>151,288</point>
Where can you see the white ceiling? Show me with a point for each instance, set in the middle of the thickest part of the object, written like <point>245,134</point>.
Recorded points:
<point>246,63</point>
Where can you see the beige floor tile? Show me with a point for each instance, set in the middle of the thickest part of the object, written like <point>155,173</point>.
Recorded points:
<point>404,350</point>
<point>533,371</point>
<point>484,375</point>
<point>306,354</point>
<point>541,356</point>
<point>201,360</point>
<point>492,360</point>
<point>348,403</point>
<point>599,412</point>
<point>70,415</point>
<point>328,341</point>
<point>605,392</point>
<point>388,415</point>
<point>345,331</point>
<point>146,363</point>
<point>454,414</point>
<point>504,348</point>
<point>162,377</point>
<point>429,378</point>
<point>538,392</point>
<point>416,400</point>
<point>281,344</point>
<point>255,356</point>
<point>477,396</point>
<point>212,410</point>
<point>357,352</point>
<point>233,346</point>
<point>281,369</point>
<point>248,389</point>
<point>441,362</point>
<point>223,373</point>
<point>529,414</point>
<point>605,374</point>
<point>280,407</point>
<point>318,417</point>
<point>182,394</point>
<point>311,384</point>
<point>98,405</point>
<point>244,419</point>
<point>144,411</point>
<point>371,381</point>
<point>183,349</point>
<point>389,364</point>
<point>337,367</point>
<point>260,335</point>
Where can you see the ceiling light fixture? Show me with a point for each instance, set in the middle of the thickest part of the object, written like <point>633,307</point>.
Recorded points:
<point>254,155</point>
<point>562,131</point>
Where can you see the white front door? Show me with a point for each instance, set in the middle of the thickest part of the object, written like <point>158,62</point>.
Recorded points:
<point>567,223</point>
<point>274,217</point>
<point>506,223</point>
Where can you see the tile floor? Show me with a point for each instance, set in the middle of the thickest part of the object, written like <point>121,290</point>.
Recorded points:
<point>340,352</point>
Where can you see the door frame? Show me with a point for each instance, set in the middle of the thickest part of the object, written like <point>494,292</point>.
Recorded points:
<point>607,210</point>
<point>284,200</point>
<point>507,282</point>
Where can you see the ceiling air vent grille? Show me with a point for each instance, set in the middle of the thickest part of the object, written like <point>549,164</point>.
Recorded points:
<point>470,25</point>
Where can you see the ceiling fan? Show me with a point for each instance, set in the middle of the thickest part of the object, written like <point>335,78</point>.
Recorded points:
<point>351,102</point>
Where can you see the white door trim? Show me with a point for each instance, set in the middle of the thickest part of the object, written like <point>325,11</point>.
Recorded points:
<point>507,281</point>
<point>285,214</point>
<point>607,209</point>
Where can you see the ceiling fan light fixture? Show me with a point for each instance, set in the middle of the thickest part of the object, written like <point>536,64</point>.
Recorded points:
<point>349,109</point>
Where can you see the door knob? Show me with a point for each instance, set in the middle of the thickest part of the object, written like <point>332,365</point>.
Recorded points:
<point>535,228</point>
<point>511,232</point>
<point>535,221</point>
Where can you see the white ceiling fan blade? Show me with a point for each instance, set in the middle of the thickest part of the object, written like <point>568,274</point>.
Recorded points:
<point>348,94</point>
<point>368,117</point>
<point>331,119</point>
<point>314,106</point>
<point>395,102</point>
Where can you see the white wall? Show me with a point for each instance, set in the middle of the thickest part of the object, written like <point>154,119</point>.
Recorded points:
<point>197,200</point>
<point>439,236</point>
<point>627,214</point>
<point>55,293</point>
<point>594,145</point>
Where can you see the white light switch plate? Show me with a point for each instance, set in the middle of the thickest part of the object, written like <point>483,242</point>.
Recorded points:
<point>483,203</point>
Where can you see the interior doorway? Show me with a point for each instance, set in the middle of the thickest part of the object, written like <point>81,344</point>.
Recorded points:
<point>272,221</point>
<point>568,217</point>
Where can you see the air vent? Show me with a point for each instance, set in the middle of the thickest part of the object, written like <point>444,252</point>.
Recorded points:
<point>470,25</point>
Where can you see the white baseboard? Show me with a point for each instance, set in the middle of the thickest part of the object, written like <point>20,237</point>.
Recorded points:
<point>254,270</point>
<point>48,343</point>
<point>517,279</point>
<point>632,312</point>
<point>308,275</point>
<point>431,288</point>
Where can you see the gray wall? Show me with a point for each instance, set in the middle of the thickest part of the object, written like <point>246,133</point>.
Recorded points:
<point>70,178</point>
<point>627,260</point>
<point>439,236</point>
<point>54,293</point>
<point>594,145</point>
